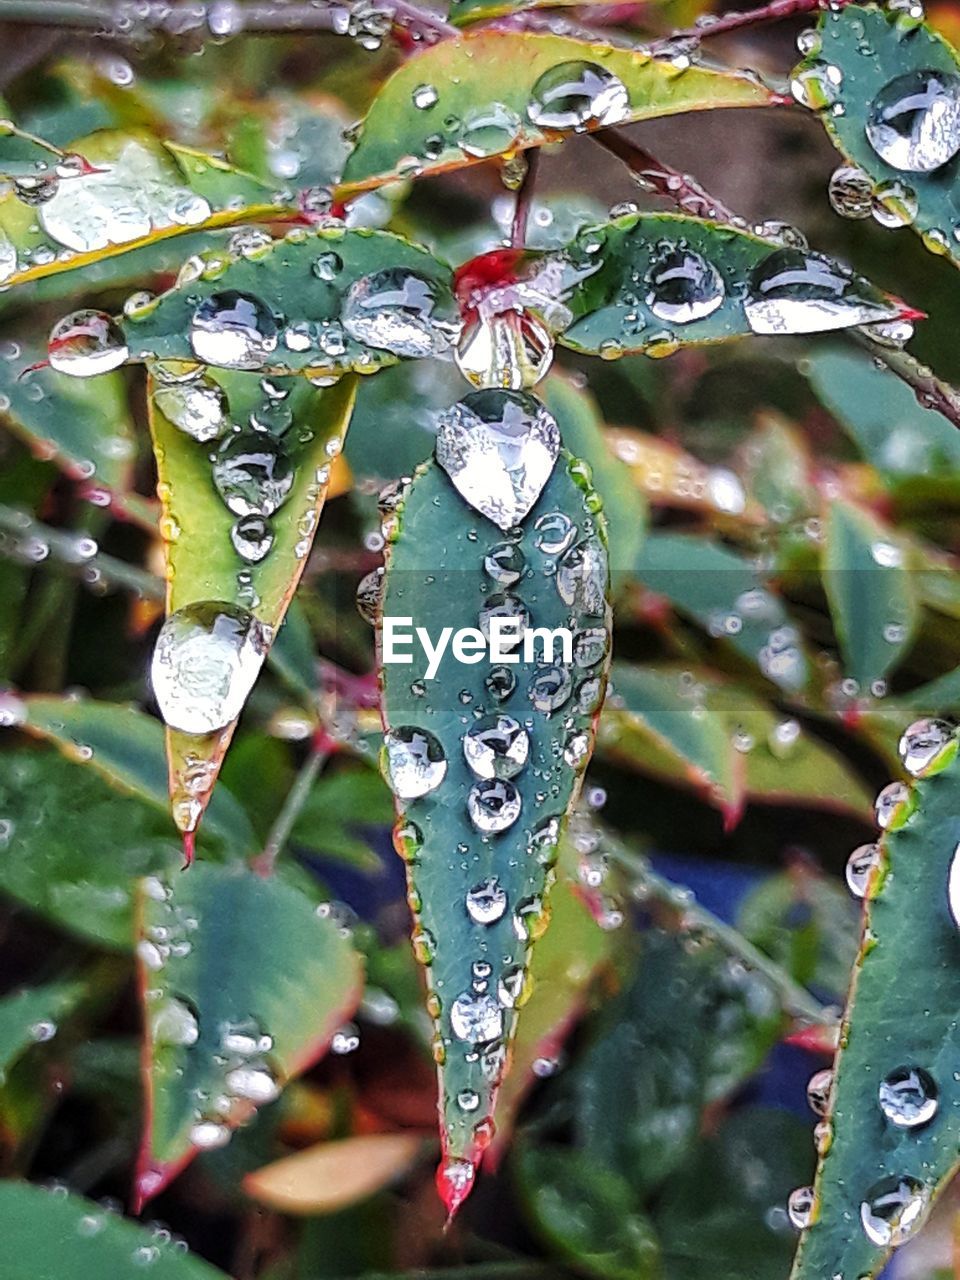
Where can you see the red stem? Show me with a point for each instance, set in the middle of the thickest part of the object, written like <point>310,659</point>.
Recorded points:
<point>521,213</point>
<point>685,192</point>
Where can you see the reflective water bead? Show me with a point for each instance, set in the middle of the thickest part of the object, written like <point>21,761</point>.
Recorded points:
<point>554,532</point>
<point>476,1019</point>
<point>506,608</point>
<point>197,407</point>
<point>893,1209</point>
<point>550,688</point>
<point>206,660</point>
<point>894,204</point>
<point>415,760</point>
<point>850,192</point>
<point>577,95</point>
<point>793,291</point>
<point>889,801</point>
<point>425,96</point>
<point>496,747</point>
<point>253,474</point>
<point>400,312</point>
<point>504,563</point>
<point>369,598</point>
<point>816,85</point>
<point>254,1083</point>
<point>233,330</point>
<point>800,1206</point>
<point>489,130</point>
<point>589,646</point>
<point>499,448</point>
<point>818,1091</point>
<point>914,121</point>
<point>252,538</point>
<point>86,343</point>
<point>581,577</point>
<point>36,188</point>
<point>683,285</point>
<point>922,742</point>
<point>486,902</point>
<point>500,682</point>
<point>493,805</point>
<point>908,1097</point>
<point>860,866</point>
<point>513,350</point>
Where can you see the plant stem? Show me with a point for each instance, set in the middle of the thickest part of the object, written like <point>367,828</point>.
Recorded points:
<point>521,212</point>
<point>931,391</point>
<point>774,11</point>
<point>681,188</point>
<point>296,798</point>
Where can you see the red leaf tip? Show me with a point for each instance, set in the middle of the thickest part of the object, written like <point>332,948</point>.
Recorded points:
<point>455,1180</point>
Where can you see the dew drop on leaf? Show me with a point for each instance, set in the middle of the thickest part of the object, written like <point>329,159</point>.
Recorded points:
<point>233,330</point>
<point>415,762</point>
<point>197,406</point>
<point>496,747</point>
<point>922,742</point>
<point>477,1019</point>
<point>577,95</point>
<point>493,805</point>
<point>86,343</point>
<point>488,131</point>
<point>850,192</point>
<point>398,311</point>
<point>908,1097</point>
<point>800,1207</point>
<point>252,538</point>
<point>893,1209</point>
<point>793,291</point>
<point>486,902</point>
<point>253,474</point>
<point>860,865</point>
<point>818,1091</point>
<point>914,122</point>
<point>889,801</point>
<point>504,563</point>
<point>682,285</point>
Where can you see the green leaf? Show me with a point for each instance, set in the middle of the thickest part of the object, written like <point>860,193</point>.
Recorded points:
<point>872,594</point>
<point>144,191</point>
<point>126,746</point>
<point>392,430</point>
<point>494,73</point>
<point>724,592</point>
<point>51,1234</point>
<point>244,982</point>
<point>202,563</point>
<point>435,574</point>
<point>75,848</point>
<point>27,1016</point>
<point>870,49</point>
<point>340,806</point>
<point>304,330</point>
<point>587,1213</point>
<point>610,268</point>
<point>890,427</point>
<point>901,1012</point>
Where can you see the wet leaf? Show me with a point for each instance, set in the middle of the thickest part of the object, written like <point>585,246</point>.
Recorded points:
<point>244,982</point>
<point>482,90</point>
<point>872,595</point>
<point>478,911</point>
<point>332,1175</point>
<point>30,1017</point>
<point>671,477</point>
<point>203,542</point>
<point>50,1233</point>
<point>901,1012</point>
<point>860,82</point>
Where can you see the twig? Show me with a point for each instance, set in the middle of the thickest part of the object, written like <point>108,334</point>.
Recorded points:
<point>681,188</point>
<point>521,212</point>
<point>296,798</point>
<point>930,390</point>
<point>709,25</point>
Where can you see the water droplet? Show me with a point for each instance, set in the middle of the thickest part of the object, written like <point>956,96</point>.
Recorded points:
<point>424,97</point>
<point>499,448</point>
<point>923,742</point>
<point>369,598</point>
<point>208,1135</point>
<point>555,531</point>
<point>816,85</point>
<point>500,682</point>
<point>253,473</point>
<point>416,764</point>
<point>513,350</point>
<point>851,192</point>
<point>476,1019</point>
<point>914,121</point>
<point>550,688</point>
<point>496,747</point>
<point>800,1205</point>
<point>818,1091</point>
<point>510,609</point>
<point>589,646</point>
<point>893,1209</point>
<point>468,1100</point>
<point>233,330</point>
<point>86,343</point>
<point>504,563</point>
<point>888,802</point>
<point>577,95</point>
<point>36,188</point>
<point>327,266</point>
<point>197,406</point>
<point>207,658</point>
<point>860,866</point>
<point>908,1097</point>
<point>493,805</point>
<point>397,311</point>
<point>792,291</point>
<point>489,130</point>
<point>683,285</point>
<point>252,538</point>
<point>486,902</point>
<point>581,577</point>
<point>173,1023</point>
<point>894,204</point>
<point>255,1083</point>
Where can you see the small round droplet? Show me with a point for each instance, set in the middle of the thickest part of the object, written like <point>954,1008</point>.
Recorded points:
<point>851,192</point>
<point>889,801</point>
<point>550,688</point>
<point>369,598</point>
<point>581,577</point>
<point>252,538</point>
<point>893,1209</point>
<point>577,95</point>
<point>253,473</point>
<point>816,85</point>
<point>416,764</point>
<point>914,122</point>
<point>500,682</point>
<point>477,1019</point>
<point>504,563</point>
<point>86,343</point>
<point>233,330</point>
<point>508,613</point>
<point>496,747</point>
<point>486,902</point>
<point>908,1097</point>
<point>554,533</point>
<point>683,285</point>
<point>860,866</point>
<point>923,742</point>
<point>800,1207</point>
<point>894,204</point>
<point>818,1091</point>
<point>493,805</point>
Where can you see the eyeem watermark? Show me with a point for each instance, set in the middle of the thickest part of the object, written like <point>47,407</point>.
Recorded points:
<point>471,645</point>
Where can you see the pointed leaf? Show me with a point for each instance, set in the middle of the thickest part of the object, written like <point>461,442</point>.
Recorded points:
<point>202,562</point>
<point>48,1233</point>
<point>879,59</point>
<point>491,77</point>
<point>30,1017</point>
<point>244,981</point>
<point>901,1012</point>
<point>872,595</point>
<point>477,971</point>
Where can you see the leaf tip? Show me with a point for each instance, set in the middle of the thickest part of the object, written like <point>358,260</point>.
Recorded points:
<point>455,1178</point>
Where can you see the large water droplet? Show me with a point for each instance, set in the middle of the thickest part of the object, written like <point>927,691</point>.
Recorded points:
<point>922,742</point>
<point>893,1209</point>
<point>207,657</point>
<point>476,1019</point>
<point>914,121</point>
<point>415,762</point>
<point>253,473</point>
<point>793,291</point>
<point>800,1207</point>
<point>489,130</point>
<point>513,350</point>
<point>860,866</point>
<point>499,448</point>
<point>496,747</point>
<point>486,902</point>
<point>400,312</point>
<point>197,406</point>
<point>577,95</point>
<point>493,805</point>
<point>817,84</point>
<point>581,577</point>
<point>908,1097</point>
<point>233,330</point>
<point>683,285</point>
<point>174,1023</point>
<point>86,343</point>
